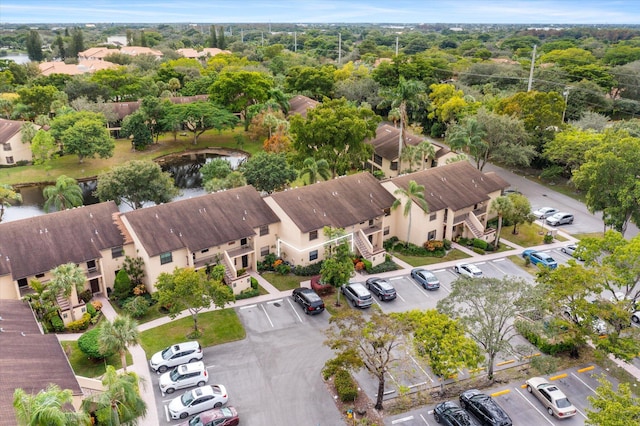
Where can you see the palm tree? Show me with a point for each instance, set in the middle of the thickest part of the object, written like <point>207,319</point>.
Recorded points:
<point>120,403</point>
<point>414,192</point>
<point>117,335</point>
<point>315,169</point>
<point>501,206</point>
<point>46,408</point>
<point>469,137</point>
<point>64,279</point>
<point>7,196</point>
<point>65,194</point>
<point>408,94</point>
<point>425,150</point>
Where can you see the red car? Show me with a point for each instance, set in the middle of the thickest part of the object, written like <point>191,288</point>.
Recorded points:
<point>225,416</point>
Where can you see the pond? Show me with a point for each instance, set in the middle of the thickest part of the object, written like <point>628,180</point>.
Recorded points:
<point>183,167</point>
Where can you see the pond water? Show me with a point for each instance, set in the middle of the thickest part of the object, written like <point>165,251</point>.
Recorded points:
<point>18,58</point>
<point>184,168</point>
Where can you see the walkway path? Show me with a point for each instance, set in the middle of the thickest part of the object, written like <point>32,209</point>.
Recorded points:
<point>140,363</point>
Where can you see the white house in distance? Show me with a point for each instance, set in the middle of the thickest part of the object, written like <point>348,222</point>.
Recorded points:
<point>12,150</point>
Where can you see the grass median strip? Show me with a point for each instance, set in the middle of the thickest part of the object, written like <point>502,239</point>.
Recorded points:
<point>87,367</point>
<point>217,327</point>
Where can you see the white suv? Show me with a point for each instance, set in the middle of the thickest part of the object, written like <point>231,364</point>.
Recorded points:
<point>184,376</point>
<point>181,353</point>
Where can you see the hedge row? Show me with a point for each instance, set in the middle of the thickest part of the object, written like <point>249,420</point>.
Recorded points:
<point>81,324</point>
<point>346,387</point>
<point>529,332</point>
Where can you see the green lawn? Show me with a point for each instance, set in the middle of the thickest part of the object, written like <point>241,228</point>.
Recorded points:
<point>425,260</point>
<point>284,282</point>
<point>83,366</point>
<point>69,165</point>
<point>217,327</point>
<point>152,313</point>
<point>528,235</point>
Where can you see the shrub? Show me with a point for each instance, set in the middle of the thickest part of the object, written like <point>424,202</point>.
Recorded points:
<point>57,323</point>
<point>446,244</point>
<point>478,243</point>
<point>97,304</point>
<point>359,266</point>
<point>390,243</point>
<point>433,245</point>
<point>367,265</point>
<point>254,283</point>
<point>309,270</point>
<point>283,268</point>
<point>250,292</point>
<point>240,272</point>
<point>490,247</point>
<point>345,386</point>
<point>137,306</point>
<point>386,266</point>
<point>88,344</point>
<point>464,241</point>
<point>267,263</point>
<point>91,310</point>
<point>535,337</point>
<point>478,250</point>
<point>85,296</point>
<point>81,324</point>
<point>548,239</point>
<point>122,288</point>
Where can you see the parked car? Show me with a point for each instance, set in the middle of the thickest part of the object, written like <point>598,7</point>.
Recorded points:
<point>560,218</point>
<point>309,300</point>
<point>484,408</point>
<point>225,416</point>
<point>425,278</point>
<point>544,212</point>
<point>381,288</point>
<point>184,376</point>
<point>635,317</point>
<point>198,400</point>
<point>449,414</point>
<point>571,249</point>
<point>358,294</point>
<point>468,269</point>
<point>181,353</point>
<point>539,257</point>
<point>510,191</point>
<point>554,400</point>
<point>599,326</point>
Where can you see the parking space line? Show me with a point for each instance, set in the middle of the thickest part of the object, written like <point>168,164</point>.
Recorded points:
<point>401,298</point>
<point>271,302</point>
<point>581,381</point>
<point>534,407</point>
<point>480,263</point>
<point>396,278</point>
<point>420,367</point>
<point>500,270</point>
<point>402,420</point>
<point>166,412</point>
<point>581,413</point>
<point>265,312</point>
<point>440,270</point>
<point>247,307</point>
<point>294,309</point>
<point>445,287</point>
<point>424,420</point>
<point>392,378</point>
<point>499,260</point>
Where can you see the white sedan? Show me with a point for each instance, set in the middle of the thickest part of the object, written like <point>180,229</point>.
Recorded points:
<point>468,269</point>
<point>544,212</point>
<point>198,400</point>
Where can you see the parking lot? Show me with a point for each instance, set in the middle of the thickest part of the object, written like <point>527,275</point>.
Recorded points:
<point>523,408</point>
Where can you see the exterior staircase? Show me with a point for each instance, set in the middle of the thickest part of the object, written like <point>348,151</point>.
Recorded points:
<point>63,302</point>
<point>362,246</point>
<point>472,223</point>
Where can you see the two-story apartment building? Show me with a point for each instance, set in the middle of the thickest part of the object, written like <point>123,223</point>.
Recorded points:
<point>12,150</point>
<point>356,203</point>
<point>234,228</point>
<point>458,197</point>
<point>88,236</point>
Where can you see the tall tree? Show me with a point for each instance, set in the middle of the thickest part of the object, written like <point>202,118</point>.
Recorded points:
<point>337,266</point>
<point>611,407</point>
<point>520,211</point>
<point>413,192</point>
<point>442,342</point>
<point>7,197</point>
<point>116,336</point>
<point>486,309</point>
<point>501,206</point>
<point>370,342</point>
<point>65,279</point>
<point>192,290</point>
<point>213,36</point>
<point>315,169</point>
<point>335,130</point>
<point>43,147</point>
<point>222,43</point>
<point>34,46</point>
<point>135,126</point>
<point>268,171</point>
<point>88,138</point>
<point>77,42</point>
<point>241,89</point>
<point>199,117</point>
<point>47,408</point>
<point>407,96</point>
<point>610,178</point>
<point>65,194</point>
<point>38,98</point>
<point>120,403</point>
<point>136,182</point>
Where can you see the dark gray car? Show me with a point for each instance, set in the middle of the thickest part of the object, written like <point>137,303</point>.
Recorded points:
<point>484,408</point>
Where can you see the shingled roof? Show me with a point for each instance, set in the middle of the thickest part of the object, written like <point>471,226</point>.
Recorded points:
<point>453,186</point>
<point>201,222</point>
<point>28,360</point>
<point>38,244</point>
<point>300,104</point>
<point>340,202</point>
<point>385,144</point>
<point>8,129</point>
<point>123,109</point>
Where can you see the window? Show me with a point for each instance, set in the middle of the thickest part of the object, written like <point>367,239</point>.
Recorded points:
<point>6,146</point>
<point>264,230</point>
<point>166,258</point>
<point>377,159</point>
<point>432,217</point>
<point>204,251</point>
<point>9,160</point>
<point>264,251</point>
<point>370,222</point>
<point>394,165</point>
<point>91,266</point>
<point>243,242</point>
<point>385,231</point>
<point>313,255</point>
<point>313,235</point>
<point>117,252</point>
<point>22,282</point>
<point>39,275</point>
<point>431,236</point>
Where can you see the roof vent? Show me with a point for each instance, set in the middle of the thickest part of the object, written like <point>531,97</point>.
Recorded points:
<point>96,232</point>
<point>156,215</point>
<point>91,215</point>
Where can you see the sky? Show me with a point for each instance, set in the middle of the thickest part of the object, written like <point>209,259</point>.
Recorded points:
<point>322,11</point>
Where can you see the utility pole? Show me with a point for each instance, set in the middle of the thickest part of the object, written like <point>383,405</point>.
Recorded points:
<point>241,35</point>
<point>339,48</point>
<point>396,45</point>
<point>262,35</point>
<point>566,101</point>
<point>295,41</point>
<point>533,61</point>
